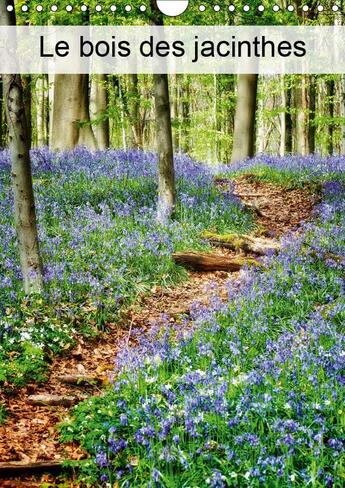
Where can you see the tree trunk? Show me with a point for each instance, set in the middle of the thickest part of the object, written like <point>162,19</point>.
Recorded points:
<point>342,114</point>
<point>65,111</point>
<point>312,107</point>
<point>261,129</point>
<point>42,110</point>
<point>71,118</point>
<point>244,130</point>
<point>288,121</point>
<point>99,107</point>
<point>51,84</point>
<point>86,136</point>
<point>24,205</point>
<point>26,81</point>
<point>134,110</point>
<point>166,173</point>
<point>301,117</point>
<point>1,117</point>
<point>185,112</point>
<point>123,108</point>
<point>282,117</point>
<point>175,112</point>
<point>285,118</point>
<point>330,104</point>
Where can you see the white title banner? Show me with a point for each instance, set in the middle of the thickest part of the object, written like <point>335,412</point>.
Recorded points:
<point>153,49</point>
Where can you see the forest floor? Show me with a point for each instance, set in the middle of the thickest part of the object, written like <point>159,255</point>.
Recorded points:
<point>29,433</point>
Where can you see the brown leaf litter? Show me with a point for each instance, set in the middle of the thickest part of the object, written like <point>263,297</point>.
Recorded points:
<point>29,433</point>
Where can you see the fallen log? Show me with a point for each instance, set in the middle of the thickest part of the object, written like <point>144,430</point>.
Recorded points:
<point>212,262</point>
<point>79,380</point>
<point>243,242</point>
<point>250,195</point>
<point>54,400</point>
<point>20,467</point>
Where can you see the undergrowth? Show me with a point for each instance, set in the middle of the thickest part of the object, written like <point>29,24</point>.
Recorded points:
<point>101,246</point>
<point>249,393</point>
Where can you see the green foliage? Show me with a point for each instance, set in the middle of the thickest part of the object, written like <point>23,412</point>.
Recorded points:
<point>102,248</point>
<point>251,387</point>
<point>91,419</point>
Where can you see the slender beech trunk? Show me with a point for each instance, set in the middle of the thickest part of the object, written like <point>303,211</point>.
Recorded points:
<point>288,121</point>
<point>342,114</point>
<point>27,95</point>
<point>134,110</point>
<point>175,112</point>
<point>71,119</point>
<point>244,130</point>
<point>261,129</point>
<point>1,117</point>
<point>312,108</point>
<point>24,205</point>
<point>51,84</point>
<point>301,116</point>
<point>123,115</point>
<point>330,104</point>
<point>286,118</point>
<point>99,106</point>
<point>185,112</point>
<point>166,172</point>
<point>42,110</point>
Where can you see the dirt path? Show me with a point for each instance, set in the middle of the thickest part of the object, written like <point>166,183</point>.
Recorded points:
<point>29,434</point>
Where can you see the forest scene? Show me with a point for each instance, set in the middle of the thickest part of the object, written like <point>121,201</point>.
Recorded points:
<point>172,293</point>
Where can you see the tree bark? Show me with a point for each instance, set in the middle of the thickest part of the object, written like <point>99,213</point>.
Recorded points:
<point>18,467</point>
<point>243,242</point>
<point>54,400</point>
<point>80,380</point>
<point>99,107</point>
<point>301,116</point>
<point>288,121</point>
<point>86,135</point>
<point>24,204</point>
<point>244,130</point>
<point>285,118</point>
<point>175,113</point>
<point>312,108</point>
<point>27,95</point>
<point>42,110</point>
<point>208,262</point>
<point>134,110</point>
<point>185,113</point>
<point>71,118</point>
<point>342,114</point>
<point>330,104</point>
<point>166,171</point>
<point>1,116</point>
<point>282,117</point>
<point>261,127</point>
